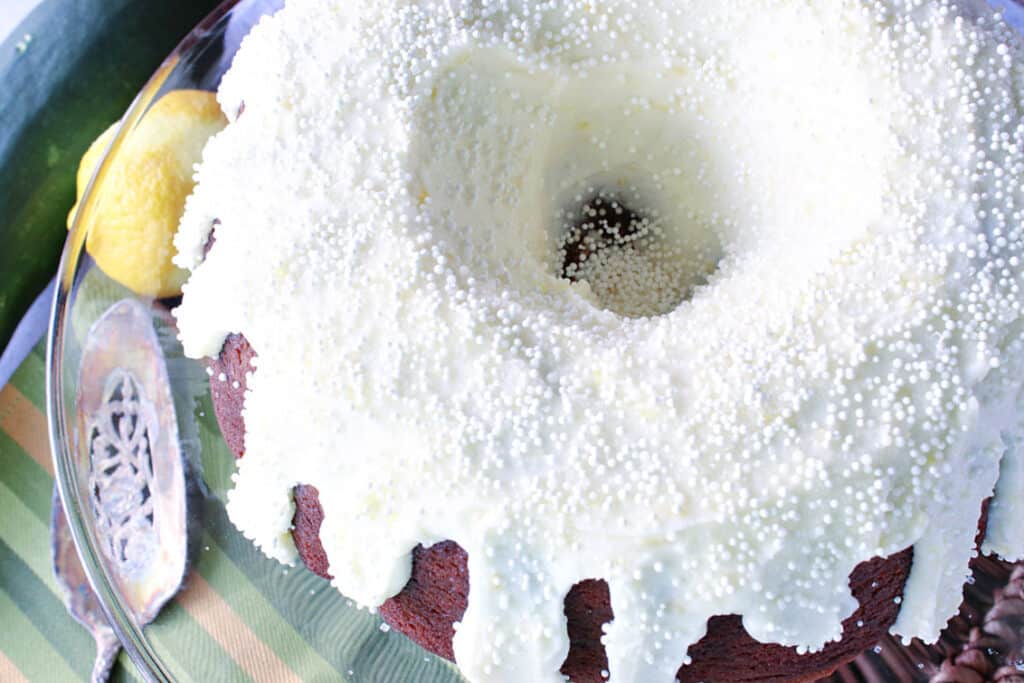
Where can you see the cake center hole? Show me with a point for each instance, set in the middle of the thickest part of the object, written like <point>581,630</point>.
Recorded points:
<point>634,264</point>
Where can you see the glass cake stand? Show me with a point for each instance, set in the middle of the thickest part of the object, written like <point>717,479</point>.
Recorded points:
<point>241,616</point>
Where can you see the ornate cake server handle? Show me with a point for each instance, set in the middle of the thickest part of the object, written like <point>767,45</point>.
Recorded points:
<point>78,596</point>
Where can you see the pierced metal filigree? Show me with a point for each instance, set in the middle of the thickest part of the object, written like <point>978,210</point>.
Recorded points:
<point>121,435</point>
<point>132,471</point>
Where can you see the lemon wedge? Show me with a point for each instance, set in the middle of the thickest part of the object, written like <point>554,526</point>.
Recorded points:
<point>131,230</point>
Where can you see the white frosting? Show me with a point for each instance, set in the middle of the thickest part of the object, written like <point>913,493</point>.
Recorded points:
<point>840,388</point>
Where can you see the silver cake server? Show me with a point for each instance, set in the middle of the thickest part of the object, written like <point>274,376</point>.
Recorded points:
<point>132,477</point>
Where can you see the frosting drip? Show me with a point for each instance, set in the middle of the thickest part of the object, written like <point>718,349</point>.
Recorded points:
<point>837,184</point>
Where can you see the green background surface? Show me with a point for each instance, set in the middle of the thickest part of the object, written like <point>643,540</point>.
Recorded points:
<point>84,62</point>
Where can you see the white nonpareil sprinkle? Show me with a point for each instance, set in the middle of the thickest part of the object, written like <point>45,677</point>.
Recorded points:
<point>834,190</point>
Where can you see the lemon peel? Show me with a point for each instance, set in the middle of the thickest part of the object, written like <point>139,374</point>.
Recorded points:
<point>131,230</point>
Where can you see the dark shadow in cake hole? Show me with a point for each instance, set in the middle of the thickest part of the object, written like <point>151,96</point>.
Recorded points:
<point>601,221</point>
<point>636,264</point>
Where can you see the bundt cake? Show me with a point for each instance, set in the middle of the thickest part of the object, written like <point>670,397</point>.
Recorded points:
<point>627,339</point>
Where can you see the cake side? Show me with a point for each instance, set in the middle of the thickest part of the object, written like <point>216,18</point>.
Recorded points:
<point>436,595</point>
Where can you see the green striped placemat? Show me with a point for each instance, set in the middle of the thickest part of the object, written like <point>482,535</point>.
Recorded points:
<point>239,617</point>
<point>39,641</point>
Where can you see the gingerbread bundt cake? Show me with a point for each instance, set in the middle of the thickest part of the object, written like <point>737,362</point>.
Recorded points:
<point>642,334</point>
